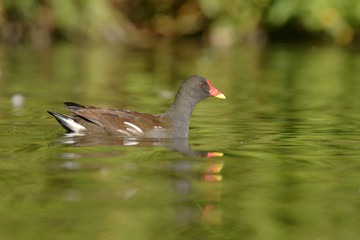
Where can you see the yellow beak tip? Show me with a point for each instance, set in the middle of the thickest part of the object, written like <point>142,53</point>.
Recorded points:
<point>221,96</point>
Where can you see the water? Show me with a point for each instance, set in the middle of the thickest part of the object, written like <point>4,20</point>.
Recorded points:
<point>289,132</point>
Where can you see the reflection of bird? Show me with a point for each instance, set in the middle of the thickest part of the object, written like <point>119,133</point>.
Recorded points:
<point>174,123</point>
<point>180,145</point>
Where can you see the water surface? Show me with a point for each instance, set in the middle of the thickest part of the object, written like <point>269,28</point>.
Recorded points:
<point>289,132</point>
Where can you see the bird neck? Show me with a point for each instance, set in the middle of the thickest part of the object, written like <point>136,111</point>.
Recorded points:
<point>179,114</point>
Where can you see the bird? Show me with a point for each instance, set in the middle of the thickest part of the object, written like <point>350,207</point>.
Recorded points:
<point>174,123</point>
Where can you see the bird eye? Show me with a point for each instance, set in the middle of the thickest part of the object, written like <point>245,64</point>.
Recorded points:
<point>202,84</point>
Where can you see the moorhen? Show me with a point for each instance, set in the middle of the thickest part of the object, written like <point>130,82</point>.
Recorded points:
<point>174,123</point>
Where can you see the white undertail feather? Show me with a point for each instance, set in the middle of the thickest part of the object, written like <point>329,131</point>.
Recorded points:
<point>74,126</point>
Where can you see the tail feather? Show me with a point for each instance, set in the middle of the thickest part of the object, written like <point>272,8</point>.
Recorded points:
<point>67,122</point>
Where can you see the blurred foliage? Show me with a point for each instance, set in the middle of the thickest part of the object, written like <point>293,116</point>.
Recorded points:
<point>145,22</point>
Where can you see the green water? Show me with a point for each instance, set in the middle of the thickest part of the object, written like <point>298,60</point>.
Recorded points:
<point>289,131</point>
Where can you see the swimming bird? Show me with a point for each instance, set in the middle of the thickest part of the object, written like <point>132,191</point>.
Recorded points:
<point>174,123</point>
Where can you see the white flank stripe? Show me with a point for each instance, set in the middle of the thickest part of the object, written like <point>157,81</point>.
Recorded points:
<point>123,132</point>
<point>134,126</point>
<point>76,127</point>
<point>133,131</point>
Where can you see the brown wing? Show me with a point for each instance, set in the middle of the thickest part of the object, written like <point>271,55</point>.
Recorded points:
<point>115,121</point>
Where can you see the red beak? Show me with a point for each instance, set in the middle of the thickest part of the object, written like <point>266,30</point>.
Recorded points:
<point>214,92</point>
